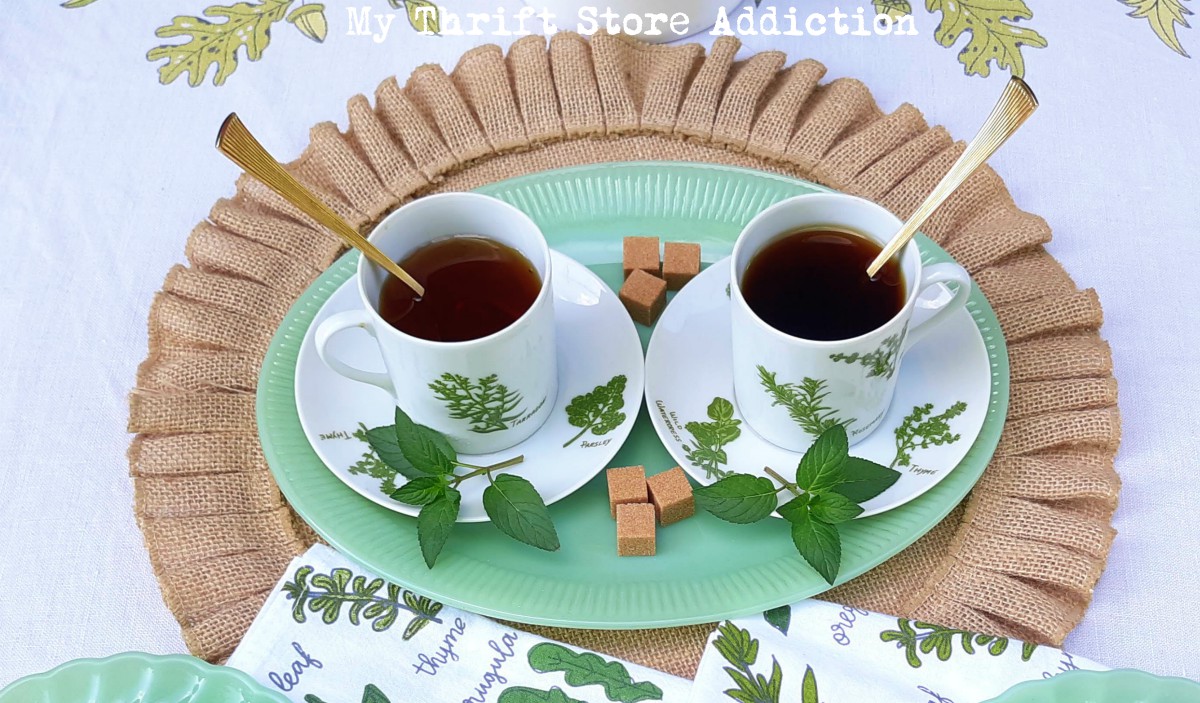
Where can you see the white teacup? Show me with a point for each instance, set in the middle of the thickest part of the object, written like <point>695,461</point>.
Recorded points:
<point>485,394</point>
<point>789,389</point>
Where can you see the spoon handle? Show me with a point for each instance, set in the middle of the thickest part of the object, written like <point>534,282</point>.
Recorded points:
<point>1016,104</point>
<point>236,142</point>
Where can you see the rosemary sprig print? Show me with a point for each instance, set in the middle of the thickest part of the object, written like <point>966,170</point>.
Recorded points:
<point>328,593</point>
<point>598,411</point>
<point>737,647</point>
<point>709,438</point>
<point>922,429</point>
<point>488,404</point>
<point>805,402</point>
<point>940,641</point>
<point>881,362</point>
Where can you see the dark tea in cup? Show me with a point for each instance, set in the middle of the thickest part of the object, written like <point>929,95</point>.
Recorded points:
<point>474,287</point>
<point>813,284</point>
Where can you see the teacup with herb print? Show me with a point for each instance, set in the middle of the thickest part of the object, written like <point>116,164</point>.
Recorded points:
<point>816,342</point>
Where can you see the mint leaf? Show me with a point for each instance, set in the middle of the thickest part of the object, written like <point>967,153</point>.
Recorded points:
<point>420,491</point>
<point>739,498</point>
<point>820,545</point>
<point>426,449</point>
<point>383,441</point>
<point>434,523</point>
<point>516,509</point>
<point>862,479</point>
<point>818,469</point>
<point>833,508</point>
<point>789,510</point>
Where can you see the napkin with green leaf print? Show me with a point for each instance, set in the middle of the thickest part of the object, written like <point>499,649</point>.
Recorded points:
<point>332,632</point>
<point>818,652</point>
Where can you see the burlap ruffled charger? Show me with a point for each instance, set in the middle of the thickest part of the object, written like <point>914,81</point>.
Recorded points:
<point>1019,558</point>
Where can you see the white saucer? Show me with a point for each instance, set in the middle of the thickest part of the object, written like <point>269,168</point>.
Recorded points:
<point>689,364</point>
<point>596,343</point>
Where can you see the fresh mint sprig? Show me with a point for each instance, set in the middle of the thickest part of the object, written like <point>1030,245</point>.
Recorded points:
<point>425,457</point>
<point>829,487</point>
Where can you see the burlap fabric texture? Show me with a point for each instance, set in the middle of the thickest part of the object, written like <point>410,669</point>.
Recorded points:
<point>1020,557</point>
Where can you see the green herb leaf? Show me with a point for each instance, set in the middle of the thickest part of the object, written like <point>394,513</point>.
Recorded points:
<point>516,509</point>
<point>863,479</point>
<point>599,410</point>
<point>739,498</point>
<point>808,689</point>
<point>796,506</point>
<point>372,694</point>
<point>819,469</point>
<point>779,618</point>
<point>586,669</point>
<point>524,694</point>
<point>424,448</point>
<point>833,508</point>
<point>720,410</point>
<point>420,491</point>
<point>383,441</point>
<point>435,522</point>
<point>820,545</point>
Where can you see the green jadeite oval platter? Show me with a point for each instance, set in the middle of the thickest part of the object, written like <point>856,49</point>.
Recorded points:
<point>1116,686</point>
<point>705,569</point>
<point>134,677</point>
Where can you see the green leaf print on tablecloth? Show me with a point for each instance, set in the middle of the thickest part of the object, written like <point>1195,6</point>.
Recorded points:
<point>371,694</point>
<point>804,402</point>
<point>599,410</point>
<point>709,438</point>
<point>1163,16</point>
<point>737,647</point>
<point>940,641</point>
<point>994,35</point>
<point>524,694</point>
<point>328,594</point>
<point>485,402</point>
<point>587,669</point>
<point>922,430</point>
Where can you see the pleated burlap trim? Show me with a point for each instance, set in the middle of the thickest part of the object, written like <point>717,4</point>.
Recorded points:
<point>1019,558</point>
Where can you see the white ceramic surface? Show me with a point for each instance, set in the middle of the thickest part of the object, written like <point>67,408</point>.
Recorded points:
<point>850,381</point>
<point>597,342</point>
<point>689,365</point>
<point>485,394</point>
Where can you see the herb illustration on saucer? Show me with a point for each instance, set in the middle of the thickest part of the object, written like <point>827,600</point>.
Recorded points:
<point>371,465</point>
<point>922,429</point>
<point>709,438</point>
<point>599,411</point>
<point>328,593</point>
<point>488,404</point>
<point>940,641</point>
<point>804,402</point>
<point>881,362</point>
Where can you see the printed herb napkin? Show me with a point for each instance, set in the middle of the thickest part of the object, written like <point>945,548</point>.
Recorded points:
<point>331,632</point>
<point>819,652</point>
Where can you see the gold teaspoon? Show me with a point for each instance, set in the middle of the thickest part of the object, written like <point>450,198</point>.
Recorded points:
<point>236,142</point>
<point>1016,104</point>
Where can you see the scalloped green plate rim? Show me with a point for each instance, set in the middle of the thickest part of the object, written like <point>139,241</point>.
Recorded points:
<point>705,569</point>
<point>1116,686</point>
<point>129,677</point>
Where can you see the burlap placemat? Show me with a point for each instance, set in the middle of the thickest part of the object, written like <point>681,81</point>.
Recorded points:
<point>1019,558</point>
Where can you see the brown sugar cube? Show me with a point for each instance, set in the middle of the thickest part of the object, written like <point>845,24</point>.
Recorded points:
<point>681,263</point>
<point>640,254</point>
<point>626,484</point>
<point>644,297</point>
<point>671,495</point>
<point>635,530</point>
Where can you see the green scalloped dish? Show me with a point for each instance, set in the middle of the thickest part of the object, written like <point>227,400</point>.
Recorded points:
<point>1116,686</point>
<point>135,677</point>
<point>705,569</point>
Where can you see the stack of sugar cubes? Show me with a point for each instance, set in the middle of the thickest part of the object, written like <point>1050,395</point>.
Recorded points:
<point>647,278</point>
<point>638,503</point>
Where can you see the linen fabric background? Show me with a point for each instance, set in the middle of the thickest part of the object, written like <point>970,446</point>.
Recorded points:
<point>104,179</point>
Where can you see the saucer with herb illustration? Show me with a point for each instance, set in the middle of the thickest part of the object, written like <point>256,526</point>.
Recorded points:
<point>600,371</point>
<point>949,385</point>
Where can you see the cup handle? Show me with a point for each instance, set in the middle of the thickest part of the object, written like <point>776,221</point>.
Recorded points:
<point>341,322</point>
<point>934,274</point>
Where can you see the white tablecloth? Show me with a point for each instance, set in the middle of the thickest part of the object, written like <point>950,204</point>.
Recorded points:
<point>103,172</point>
